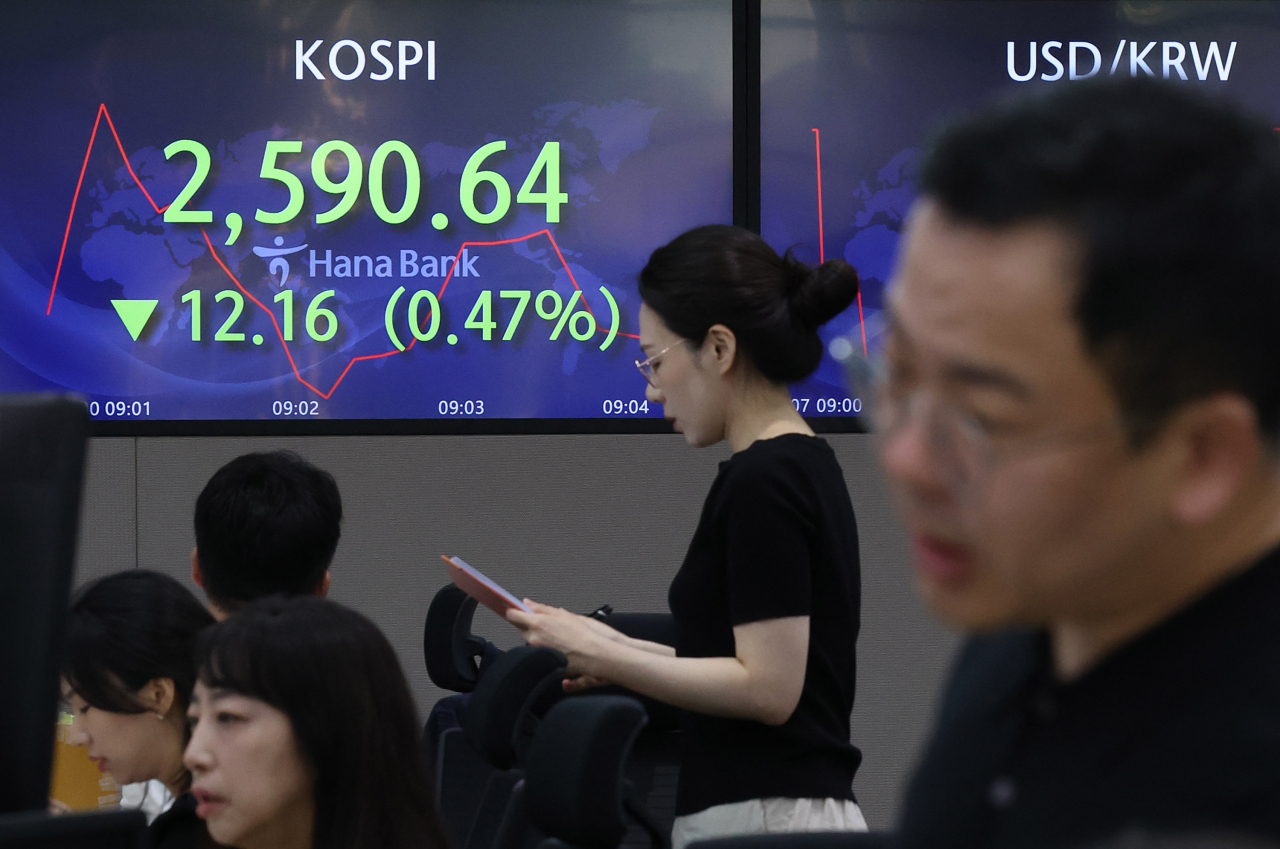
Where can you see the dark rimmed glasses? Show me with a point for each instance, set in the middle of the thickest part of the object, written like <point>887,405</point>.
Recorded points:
<point>964,449</point>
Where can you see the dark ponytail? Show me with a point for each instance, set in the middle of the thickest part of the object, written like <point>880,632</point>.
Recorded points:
<point>773,304</point>
<point>128,629</point>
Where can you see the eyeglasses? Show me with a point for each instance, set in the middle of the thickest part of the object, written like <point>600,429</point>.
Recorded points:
<point>646,366</point>
<point>964,449</point>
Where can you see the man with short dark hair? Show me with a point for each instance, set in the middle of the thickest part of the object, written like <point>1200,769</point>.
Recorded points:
<point>265,524</point>
<point>1079,423</point>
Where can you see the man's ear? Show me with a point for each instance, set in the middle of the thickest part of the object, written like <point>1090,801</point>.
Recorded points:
<point>322,588</point>
<point>1222,449</point>
<point>723,346</point>
<point>196,574</point>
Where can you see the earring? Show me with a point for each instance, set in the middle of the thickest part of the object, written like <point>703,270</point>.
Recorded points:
<point>159,716</point>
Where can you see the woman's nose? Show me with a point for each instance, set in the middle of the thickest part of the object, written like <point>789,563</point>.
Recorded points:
<point>78,736</point>
<point>197,756</point>
<point>654,395</point>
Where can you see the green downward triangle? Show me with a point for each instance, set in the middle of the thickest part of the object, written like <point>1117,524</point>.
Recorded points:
<point>134,314</point>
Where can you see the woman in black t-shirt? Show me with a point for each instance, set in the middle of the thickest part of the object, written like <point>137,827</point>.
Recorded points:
<point>766,602</point>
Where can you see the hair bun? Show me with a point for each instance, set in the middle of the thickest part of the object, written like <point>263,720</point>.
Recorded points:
<point>818,295</point>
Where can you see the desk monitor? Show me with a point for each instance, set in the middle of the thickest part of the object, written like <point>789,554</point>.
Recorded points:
<point>351,216</point>
<point>42,447</point>
<point>39,830</point>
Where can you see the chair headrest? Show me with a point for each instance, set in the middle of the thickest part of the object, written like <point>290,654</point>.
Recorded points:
<point>448,647</point>
<point>512,695</point>
<point>574,770</point>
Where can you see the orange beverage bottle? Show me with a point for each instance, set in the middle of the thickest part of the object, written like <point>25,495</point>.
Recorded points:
<point>77,782</point>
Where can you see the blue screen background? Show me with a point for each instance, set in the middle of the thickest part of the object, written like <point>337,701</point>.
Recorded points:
<point>638,96</point>
<point>879,79</point>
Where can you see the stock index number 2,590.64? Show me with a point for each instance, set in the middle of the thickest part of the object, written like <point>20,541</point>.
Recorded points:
<point>546,168</point>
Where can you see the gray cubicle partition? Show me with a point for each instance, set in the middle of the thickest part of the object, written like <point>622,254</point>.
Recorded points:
<point>571,520</point>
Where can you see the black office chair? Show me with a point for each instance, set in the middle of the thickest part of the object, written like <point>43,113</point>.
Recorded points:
<point>575,786</point>
<point>457,660</point>
<point>453,654</point>
<point>655,628</point>
<point>654,765</point>
<point>809,840</point>
<point>510,700</point>
<point>39,830</point>
<point>500,723</point>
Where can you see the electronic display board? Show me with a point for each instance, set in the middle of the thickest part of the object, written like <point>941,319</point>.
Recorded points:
<point>852,91</point>
<point>353,212</point>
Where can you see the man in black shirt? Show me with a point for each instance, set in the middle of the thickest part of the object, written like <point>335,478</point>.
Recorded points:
<point>266,524</point>
<point>1079,422</point>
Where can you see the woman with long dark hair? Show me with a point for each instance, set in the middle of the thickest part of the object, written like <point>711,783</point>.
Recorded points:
<point>766,604</point>
<point>127,676</point>
<point>304,734</point>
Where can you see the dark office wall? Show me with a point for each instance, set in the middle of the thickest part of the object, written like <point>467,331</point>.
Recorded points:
<point>571,520</point>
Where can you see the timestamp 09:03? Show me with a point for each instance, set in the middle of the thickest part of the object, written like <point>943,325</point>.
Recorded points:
<point>461,408</point>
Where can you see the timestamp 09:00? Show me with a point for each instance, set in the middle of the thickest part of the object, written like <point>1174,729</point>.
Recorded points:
<point>847,406</point>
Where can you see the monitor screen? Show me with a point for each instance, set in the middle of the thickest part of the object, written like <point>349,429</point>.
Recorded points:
<point>42,449</point>
<point>852,91</point>
<point>352,212</point>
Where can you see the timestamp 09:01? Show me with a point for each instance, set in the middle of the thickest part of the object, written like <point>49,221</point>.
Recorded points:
<point>116,409</point>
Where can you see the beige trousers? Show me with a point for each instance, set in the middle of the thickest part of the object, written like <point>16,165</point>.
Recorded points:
<point>767,816</point>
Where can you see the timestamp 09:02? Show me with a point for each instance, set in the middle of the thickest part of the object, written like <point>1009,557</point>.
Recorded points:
<point>295,408</point>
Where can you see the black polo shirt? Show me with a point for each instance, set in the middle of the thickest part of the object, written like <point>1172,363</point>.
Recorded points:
<point>1176,731</point>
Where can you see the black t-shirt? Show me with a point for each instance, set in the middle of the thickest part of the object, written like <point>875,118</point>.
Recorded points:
<point>777,538</point>
<point>179,827</point>
<point>1176,731</point>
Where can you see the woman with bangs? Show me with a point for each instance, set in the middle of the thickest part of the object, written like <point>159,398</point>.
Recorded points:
<point>304,734</point>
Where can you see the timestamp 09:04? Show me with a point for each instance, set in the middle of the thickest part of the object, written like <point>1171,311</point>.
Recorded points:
<point>616,407</point>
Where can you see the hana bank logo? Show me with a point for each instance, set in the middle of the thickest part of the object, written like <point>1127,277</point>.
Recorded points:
<point>278,265</point>
<point>1084,60</point>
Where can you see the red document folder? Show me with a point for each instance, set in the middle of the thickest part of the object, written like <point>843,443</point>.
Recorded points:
<point>472,582</point>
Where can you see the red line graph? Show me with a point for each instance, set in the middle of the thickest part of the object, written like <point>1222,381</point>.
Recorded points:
<point>326,395</point>
<point>822,251</point>
<point>102,112</point>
